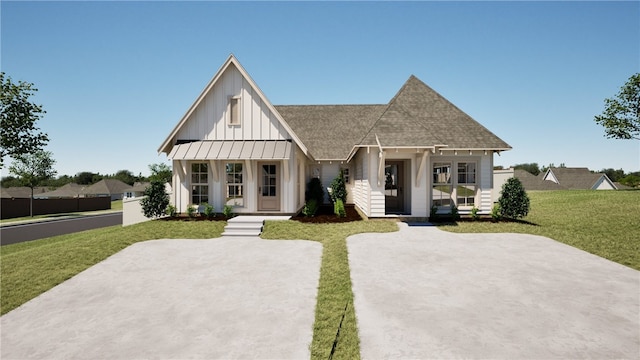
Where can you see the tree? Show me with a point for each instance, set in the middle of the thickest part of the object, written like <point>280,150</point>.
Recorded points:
<point>614,175</point>
<point>338,189</point>
<point>514,202</point>
<point>32,169</point>
<point>160,172</point>
<point>156,200</point>
<point>621,116</point>
<point>126,177</point>
<point>531,168</point>
<point>18,133</point>
<point>87,178</point>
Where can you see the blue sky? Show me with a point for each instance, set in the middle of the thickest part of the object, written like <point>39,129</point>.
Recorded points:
<point>115,77</point>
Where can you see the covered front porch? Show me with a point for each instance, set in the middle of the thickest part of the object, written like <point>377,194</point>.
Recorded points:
<point>259,176</point>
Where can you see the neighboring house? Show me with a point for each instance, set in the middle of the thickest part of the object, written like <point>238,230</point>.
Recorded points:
<point>136,190</point>
<point>70,190</point>
<point>578,178</point>
<point>555,179</point>
<point>22,192</point>
<point>233,147</point>
<point>106,187</point>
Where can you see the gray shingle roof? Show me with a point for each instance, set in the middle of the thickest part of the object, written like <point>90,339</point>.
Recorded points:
<point>106,186</point>
<point>416,116</point>
<point>330,131</point>
<point>576,178</point>
<point>532,182</point>
<point>70,190</point>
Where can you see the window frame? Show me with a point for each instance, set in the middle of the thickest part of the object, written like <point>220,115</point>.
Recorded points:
<point>435,184</point>
<point>199,183</point>
<point>238,185</point>
<point>230,110</point>
<point>346,174</point>
<point>466,184</point>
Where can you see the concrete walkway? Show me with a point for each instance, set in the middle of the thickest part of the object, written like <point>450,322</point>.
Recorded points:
<point>174,299</point>
<point>422,293</point>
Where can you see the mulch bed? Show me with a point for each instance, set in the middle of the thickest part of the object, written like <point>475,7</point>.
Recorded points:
<point>180,217</point>
<point>325,215</point>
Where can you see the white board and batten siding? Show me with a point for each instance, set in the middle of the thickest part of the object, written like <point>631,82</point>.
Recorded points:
<point>361,178</point>
<point>209,120</point>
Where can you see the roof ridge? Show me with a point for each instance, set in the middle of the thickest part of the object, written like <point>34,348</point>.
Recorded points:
<point>303,105</point>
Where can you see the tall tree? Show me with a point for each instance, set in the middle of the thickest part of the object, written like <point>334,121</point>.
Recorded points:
<point>125,176</point>
<point>18,132</point>
<point>33,169</point>
<point>160,172</point>
<point>614,175</point>
<point>621,116</point>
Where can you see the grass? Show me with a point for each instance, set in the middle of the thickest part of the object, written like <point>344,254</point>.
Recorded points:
<point>28,269</point>
<point>604,223</point>
<point>334,289</point>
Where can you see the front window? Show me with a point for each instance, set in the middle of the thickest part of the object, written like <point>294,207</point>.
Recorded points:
<point>235,185</point>
<point>199,183</point>
<point>466,187</point>
<point>442,187</point>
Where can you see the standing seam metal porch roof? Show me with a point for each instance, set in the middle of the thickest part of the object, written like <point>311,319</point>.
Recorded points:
<point>232,150</point>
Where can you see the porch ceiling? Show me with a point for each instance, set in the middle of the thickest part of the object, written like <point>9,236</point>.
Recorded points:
<point>232,150</point>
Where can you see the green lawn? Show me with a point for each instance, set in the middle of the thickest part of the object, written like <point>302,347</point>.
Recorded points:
<point>31,268</point>
<point>604,223</point>
<point>334,290</point>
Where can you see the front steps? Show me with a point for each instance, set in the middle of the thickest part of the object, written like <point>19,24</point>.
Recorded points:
<point>248,225</point>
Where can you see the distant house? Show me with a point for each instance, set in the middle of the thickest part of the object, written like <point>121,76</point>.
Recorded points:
<point>418,151</point>
<point>556,179</point>
<point>136,190</point>
<point>21,192</point>
<point>578,178</point>
<point>70,190</point>
<point>107,187</point>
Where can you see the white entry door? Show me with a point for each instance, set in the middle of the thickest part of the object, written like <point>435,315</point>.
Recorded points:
<point>269,187</point>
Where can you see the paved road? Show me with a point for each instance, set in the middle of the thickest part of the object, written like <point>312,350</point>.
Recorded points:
<point>11,234</point>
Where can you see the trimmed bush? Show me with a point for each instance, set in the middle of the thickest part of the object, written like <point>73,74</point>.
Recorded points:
<point>228,211</point>
<point>474,213</point>
<point>156,200</point>
<point>208,211</point>
<point>191,211</point>
<point>171,210</point>
<point>338,208</point>
<point>434,213</point>
<point>310,208</point>
<point>514,202</point>
<point>495,212</point>
<point>338,189</point>
<point>455,215</point>
<point>315,191</point>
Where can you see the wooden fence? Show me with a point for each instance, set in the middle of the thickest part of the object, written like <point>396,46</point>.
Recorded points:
<point>18,207</point>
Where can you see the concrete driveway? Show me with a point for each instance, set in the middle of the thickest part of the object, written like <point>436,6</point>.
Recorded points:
<point>177,299</point>
<point>422,293</point>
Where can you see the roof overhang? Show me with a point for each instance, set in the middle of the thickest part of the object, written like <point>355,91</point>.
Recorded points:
<point>232,150</point>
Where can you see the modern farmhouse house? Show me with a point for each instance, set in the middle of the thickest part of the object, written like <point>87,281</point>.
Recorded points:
<point>233,147</point>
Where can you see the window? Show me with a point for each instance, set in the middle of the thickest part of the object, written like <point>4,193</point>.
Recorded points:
<point>235,189</point>
<point>345,174</point>
<point>234,110</point>
<point>199,183</point>
<point>442,187</point>
<point>466,187</point>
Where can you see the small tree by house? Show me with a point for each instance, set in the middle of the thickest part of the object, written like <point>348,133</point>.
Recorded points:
<point>33,169</point>
<point>315,191</point>
<point>156,200</point>
<point>338,189</point>
<point>514,201</point>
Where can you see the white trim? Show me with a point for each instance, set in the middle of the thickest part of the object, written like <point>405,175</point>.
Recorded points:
<point>423,162</point>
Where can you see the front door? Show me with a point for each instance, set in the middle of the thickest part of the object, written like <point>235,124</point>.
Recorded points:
<point>393,187</point>
<point>268,187</point>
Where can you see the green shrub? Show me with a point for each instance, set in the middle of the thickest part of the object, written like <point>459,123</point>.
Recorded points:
<point>208,211</point>
<point>338,208</point>
<point>315,191</point>
<point>228,211</point>
<point>434,213</point>
<point>514,202</point>
<point>455,215</point>
<point>339,189</point>
<point>310,208</point>
<point>156,200</point>
<point>474,213</point>
<point>191,211</point>
<point>495,212</point>
<point>171,210</point>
